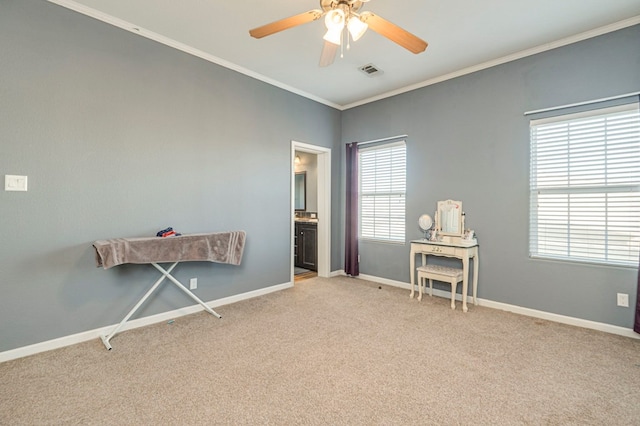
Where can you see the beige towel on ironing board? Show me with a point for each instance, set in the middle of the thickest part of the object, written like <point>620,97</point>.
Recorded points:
<point>219,247</point>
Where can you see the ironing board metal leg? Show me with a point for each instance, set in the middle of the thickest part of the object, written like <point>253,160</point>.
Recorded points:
<point>105,339</point>
<point>166,274</point>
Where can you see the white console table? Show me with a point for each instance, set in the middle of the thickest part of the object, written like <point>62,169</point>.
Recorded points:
<point>461,250</point>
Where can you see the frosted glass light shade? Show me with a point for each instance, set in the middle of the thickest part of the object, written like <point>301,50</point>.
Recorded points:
<point>356,27</point>
<point>334,36</point>
<point>334,19</point>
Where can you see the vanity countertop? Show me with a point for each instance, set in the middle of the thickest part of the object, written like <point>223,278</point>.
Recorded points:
<point>306,220</point>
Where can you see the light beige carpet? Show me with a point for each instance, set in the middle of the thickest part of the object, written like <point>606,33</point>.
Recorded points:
<point>334,351</point>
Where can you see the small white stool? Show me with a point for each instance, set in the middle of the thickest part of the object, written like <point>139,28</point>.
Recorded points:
<point>440,273</point>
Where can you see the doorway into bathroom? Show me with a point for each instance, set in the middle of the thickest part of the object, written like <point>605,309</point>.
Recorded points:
<point>305,224</point>
<point>310,207</point>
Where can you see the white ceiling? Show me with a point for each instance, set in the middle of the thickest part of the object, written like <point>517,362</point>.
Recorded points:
<point>463,36</point>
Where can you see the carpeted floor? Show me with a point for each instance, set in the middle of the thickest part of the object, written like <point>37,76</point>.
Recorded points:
<point>336,351</point>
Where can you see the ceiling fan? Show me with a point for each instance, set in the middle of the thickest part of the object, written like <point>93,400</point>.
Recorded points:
<point>342,19</point>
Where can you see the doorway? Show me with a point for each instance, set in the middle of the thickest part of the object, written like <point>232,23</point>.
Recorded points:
<point>323,206</point>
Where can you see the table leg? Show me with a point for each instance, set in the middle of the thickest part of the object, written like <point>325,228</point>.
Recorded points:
<point>412,270</point>
<point>465,282</point>
<point>476,267</point>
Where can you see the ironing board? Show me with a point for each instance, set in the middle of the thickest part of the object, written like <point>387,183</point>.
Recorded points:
<point>219,247</point>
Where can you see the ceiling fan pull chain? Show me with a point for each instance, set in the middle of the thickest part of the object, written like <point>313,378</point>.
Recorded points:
<point>342,45</point>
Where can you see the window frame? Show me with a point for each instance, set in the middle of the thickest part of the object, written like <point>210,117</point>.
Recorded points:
<point>582,189</point>
<point>390,225</point>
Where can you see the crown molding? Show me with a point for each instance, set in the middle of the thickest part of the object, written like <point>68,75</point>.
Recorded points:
<point>503,60</point>
<point>136,29</point>
<point>85,10</point>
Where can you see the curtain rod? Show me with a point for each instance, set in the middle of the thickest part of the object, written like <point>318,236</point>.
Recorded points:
<point>383,139</point>
<point>611,98</point>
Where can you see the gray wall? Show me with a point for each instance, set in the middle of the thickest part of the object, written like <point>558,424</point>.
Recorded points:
<point>122,136</point>
<point>468,140</point>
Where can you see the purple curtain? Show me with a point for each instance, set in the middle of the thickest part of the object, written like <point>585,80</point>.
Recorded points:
<point>636,326</point>
<point>351,265</point>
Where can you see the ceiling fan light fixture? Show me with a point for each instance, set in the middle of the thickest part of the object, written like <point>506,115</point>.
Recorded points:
<point>334,35</point>
<point>344,22</point>
<point>356,27</point>
<point>334,19</point>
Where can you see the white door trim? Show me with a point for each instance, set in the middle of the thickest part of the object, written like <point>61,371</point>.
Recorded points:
<point>324,204</point>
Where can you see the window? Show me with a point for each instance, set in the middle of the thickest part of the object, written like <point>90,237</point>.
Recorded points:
<point>584,183</point>
<point>383,182</point>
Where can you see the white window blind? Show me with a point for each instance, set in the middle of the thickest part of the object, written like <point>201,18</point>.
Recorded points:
<point>585,182</point>
<point>383,183</point>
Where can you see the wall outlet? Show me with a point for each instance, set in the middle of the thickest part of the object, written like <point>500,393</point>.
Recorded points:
<point>623,300</point>
<point>193,283</point>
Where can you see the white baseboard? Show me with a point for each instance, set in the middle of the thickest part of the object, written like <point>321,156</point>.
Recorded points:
<point>563,319</point>
<point>136,323</point>
<point>165,316</point>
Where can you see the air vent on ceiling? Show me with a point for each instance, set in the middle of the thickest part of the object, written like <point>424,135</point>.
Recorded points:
<point>371,70</point>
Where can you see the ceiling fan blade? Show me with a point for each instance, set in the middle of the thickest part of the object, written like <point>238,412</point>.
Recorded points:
<point>328,54</point>
<point>285,23</point>
<point>393,32</point>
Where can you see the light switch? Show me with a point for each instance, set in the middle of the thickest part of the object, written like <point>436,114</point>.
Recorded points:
<point>15,183</point>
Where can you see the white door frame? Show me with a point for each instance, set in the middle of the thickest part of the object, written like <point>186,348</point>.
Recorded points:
<point>324,204</point>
